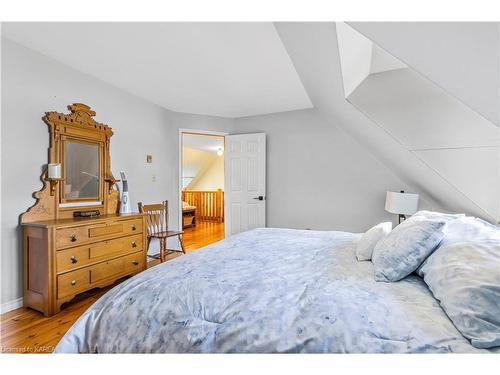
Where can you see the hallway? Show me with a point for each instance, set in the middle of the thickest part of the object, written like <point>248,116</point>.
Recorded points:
<point>203,234</point>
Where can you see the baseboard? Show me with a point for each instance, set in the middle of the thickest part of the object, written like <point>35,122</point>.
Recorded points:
<point>11,305</point>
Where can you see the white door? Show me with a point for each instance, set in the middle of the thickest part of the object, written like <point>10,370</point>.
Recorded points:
<point>245,182</point>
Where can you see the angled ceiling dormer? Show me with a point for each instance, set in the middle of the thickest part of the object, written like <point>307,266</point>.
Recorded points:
<point>453,140</point>
<point>460,57</point>
<point>360,57</point>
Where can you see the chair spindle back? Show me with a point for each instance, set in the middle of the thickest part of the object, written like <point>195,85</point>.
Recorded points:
<point>156,217</point>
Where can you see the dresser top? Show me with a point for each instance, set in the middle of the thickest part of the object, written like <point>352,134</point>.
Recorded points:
<point>75,221</point>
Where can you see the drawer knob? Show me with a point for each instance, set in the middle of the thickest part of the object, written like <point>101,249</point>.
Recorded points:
<point>73,282</point>
<point>134,244</point>
<point>73,238</point>
<point>133,227</point>
<point>74,259</point>
<point>135,263</point>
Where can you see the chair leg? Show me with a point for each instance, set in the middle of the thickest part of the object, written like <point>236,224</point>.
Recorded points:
<point>162,249</point>
<point>148,241</point>
<point>182,243</point>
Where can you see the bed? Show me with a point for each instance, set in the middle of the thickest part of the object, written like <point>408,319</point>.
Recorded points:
<point>188,215</point>
<point>267,291</point>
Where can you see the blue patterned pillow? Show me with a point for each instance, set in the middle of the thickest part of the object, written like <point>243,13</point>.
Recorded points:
<point>464,275</point>
<point>406,247</point>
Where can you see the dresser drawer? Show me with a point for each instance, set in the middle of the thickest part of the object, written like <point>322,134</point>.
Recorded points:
<point>132,226</point>
<point>114,247</point>
<point>73,282</point>
<point>71,236</point>
<point>116,267</point>
<point>106,230</point>
<point>75,236</point>
<point>76,257</point>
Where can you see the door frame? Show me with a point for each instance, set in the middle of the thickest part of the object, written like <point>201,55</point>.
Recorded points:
<point>180,145</point>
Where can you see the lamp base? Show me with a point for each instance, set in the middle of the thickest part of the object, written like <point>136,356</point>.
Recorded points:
<point>402,218</point>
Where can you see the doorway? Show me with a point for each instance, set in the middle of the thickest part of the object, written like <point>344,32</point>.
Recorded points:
<point>201,187</point>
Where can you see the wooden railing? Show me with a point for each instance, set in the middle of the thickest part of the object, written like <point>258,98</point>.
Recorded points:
<point>209,204</point>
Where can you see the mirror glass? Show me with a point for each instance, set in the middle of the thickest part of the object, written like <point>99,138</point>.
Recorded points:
<point>81,164</point>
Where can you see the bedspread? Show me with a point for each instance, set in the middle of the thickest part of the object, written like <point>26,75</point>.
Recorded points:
<point>266,291</point>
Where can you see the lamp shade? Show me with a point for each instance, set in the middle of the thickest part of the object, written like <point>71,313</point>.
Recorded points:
<point>401,203</point>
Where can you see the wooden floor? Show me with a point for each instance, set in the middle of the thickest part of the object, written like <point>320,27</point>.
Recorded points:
<point>28,331</point>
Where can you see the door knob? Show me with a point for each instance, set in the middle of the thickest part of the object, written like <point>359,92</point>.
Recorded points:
<point>135,262</point>
<point>260,198</point>
<point>74,259</point>
<point>73,282</point>
<point>134,244</point>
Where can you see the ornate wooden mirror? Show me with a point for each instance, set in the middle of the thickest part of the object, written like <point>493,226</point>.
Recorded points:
<point>80,145</point>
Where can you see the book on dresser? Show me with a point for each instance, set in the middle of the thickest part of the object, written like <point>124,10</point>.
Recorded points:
<point>66,255</point>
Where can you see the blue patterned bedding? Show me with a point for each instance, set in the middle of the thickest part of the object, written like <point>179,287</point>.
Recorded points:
<point>267,291</point>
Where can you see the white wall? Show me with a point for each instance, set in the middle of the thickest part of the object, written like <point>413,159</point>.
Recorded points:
<point>33,84</point>
<point>318,177</point>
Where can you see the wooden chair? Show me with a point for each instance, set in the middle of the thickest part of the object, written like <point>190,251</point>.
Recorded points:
<point>157,227</point>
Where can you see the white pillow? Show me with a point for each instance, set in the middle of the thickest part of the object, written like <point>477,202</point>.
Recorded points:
<point>434,215</point>
<point>369,240</point>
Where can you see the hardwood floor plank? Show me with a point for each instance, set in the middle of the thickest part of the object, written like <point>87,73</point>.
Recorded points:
<point>27,331</point>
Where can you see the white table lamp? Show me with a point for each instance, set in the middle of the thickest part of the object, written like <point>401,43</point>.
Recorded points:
<point>401,204</point>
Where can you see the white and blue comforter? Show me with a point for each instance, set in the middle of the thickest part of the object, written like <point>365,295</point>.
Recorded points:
<point>267,291</point>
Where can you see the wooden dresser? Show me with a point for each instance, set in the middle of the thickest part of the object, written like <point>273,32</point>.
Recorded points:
<point>68,256</point>
<point>64,255</point>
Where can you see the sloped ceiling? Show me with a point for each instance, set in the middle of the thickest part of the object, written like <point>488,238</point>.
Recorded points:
<point>414,153</point>
<point>435,126</point>
<point>360,57</point>
<point>356,57</point>
<point>199,153</point>
<point>221,69</point>
<point>419,114</point>
<point>473,171</point>
<point>194,164</point>
<point>458,56</point>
